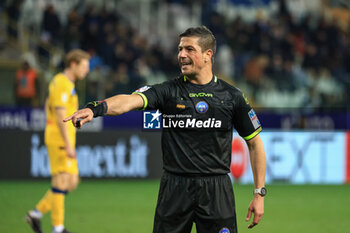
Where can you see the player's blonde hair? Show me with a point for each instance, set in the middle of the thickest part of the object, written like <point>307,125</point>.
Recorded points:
<point>75,55</point>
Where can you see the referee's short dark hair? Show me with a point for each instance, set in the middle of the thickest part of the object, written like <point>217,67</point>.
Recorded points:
<point>206,38</point>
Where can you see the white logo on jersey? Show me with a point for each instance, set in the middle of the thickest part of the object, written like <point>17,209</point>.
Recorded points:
<point>191,123</point>
<point>64,97</point>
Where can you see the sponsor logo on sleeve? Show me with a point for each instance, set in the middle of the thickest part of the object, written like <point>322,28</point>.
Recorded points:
<point>254,119</point>
<point>143,89</point>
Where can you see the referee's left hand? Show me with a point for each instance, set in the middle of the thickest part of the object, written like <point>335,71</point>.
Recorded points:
<point>257,207</point>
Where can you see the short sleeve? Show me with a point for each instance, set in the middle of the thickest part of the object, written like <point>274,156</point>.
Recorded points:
<point>245,120</point>
<point>60,95</point>
<point>154,97</point>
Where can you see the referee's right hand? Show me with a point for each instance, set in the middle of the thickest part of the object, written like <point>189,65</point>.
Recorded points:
<point>84,115</point>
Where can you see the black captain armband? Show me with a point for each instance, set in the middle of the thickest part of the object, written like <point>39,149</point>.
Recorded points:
<point>99,108</point>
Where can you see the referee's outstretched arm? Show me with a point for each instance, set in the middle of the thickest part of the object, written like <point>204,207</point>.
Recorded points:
<point>115,105</point>
<point>258,163</point>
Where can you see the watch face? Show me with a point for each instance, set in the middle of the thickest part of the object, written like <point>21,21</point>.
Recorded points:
<point>263,191</point>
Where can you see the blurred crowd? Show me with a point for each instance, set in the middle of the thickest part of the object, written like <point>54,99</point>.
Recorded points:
<point>115,48</point>
<point>280,61</point>
<point>284,61</point>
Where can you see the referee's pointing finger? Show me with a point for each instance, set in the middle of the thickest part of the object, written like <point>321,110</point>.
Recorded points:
<point>68,118</point>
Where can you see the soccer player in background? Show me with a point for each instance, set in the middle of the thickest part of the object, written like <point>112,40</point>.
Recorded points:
<point>196,150</point>
<point>60,139</point>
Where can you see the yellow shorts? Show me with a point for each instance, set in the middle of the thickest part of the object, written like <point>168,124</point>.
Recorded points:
<point>60,162</point>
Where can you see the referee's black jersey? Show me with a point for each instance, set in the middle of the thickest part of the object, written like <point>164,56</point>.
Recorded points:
<point>197,123</point>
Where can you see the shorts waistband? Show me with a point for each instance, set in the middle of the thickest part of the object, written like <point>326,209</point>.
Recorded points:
<point>194,175</point>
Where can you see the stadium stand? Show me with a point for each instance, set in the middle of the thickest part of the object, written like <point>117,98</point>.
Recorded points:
<point>278,55</point>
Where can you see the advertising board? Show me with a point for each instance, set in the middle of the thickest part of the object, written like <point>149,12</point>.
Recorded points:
<point>297,157</point>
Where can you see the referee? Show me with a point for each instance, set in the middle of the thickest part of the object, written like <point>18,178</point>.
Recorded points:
<point>199,114</point>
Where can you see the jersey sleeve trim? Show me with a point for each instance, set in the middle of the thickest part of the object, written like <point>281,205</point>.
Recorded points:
<point>253,134</point>
<point>145,100</point>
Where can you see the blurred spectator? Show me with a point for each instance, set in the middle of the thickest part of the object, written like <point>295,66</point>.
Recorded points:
<point>311,58</point>
<point>13,14</point>
<point>95,79</point>
<point>120,82</point>
<point>43,48</point>
<point>72,35</point>
<point>95,60</point>
<point>90,29</point>
<point>224,62</point>
<point>107,49</point>
<point>217,26</point>
<point>51,24</point>
<point>280,72</point>
<point>254,73</point>
<point>26,85</point>
<point>90,38</point>
<point>329,89</point>
<point>94,83</point>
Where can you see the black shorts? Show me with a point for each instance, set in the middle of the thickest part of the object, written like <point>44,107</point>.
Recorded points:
<point>207,201</point>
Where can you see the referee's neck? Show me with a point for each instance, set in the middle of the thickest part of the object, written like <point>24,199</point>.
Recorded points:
<point>201,78</point>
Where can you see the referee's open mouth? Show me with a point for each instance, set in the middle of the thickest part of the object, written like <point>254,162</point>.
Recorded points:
<point>185,65</point>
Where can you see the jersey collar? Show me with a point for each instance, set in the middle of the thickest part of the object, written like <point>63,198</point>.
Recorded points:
<point>65,75</point>
<point>214,78</point>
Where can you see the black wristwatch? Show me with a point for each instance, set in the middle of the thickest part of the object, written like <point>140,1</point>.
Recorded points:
<point>260,191</point>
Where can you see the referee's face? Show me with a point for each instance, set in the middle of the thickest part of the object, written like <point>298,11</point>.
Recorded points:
<point>190,56</point>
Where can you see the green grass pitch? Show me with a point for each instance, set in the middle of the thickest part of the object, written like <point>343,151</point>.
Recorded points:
<point>115,206</point>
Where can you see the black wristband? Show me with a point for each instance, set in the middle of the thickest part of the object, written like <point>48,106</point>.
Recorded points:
<point>99,108</point>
